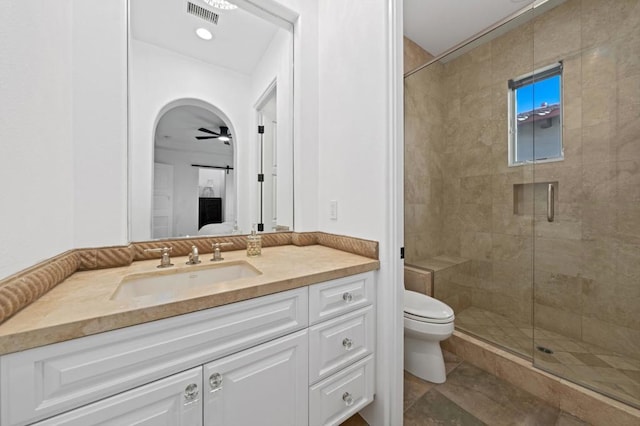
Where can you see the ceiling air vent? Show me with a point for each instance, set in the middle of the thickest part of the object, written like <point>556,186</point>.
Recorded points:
<point>202,13</point>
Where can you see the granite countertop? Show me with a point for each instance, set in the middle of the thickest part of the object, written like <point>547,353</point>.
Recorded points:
<point>82,304</point>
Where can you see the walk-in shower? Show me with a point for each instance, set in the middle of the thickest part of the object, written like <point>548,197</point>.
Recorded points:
<point>522,188</point>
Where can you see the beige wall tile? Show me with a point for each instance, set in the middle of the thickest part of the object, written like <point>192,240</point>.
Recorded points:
<point>512,54</point>
<point>476,245</point>
<point>599,66</point>
<point>627,58</point>
<point>598,104</point>
<point>557,320</point>
<point>558,33</point>
<point>414,55</point>
<point>596,144</point>
<point>613,302</point>
<point>558,256</point>
<point>559,291</point>
<point>418,280</point>
<point>597,23</point>
<point>626,136</point>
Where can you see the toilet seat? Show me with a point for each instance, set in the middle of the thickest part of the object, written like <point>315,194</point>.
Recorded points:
<point>420,307</point>
<point>428,320</point>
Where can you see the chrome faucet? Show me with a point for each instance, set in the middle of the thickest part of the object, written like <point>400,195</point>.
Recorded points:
<point>217,255</point>
<point>194,257</point>
<point>165,260</point>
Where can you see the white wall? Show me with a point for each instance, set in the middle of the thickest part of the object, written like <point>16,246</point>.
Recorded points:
<point>359,150</point>
<point>159,77</point>
<point>62,127</point>
<point>348,147</point>
<point>100,122</point>
<point>36,161</point>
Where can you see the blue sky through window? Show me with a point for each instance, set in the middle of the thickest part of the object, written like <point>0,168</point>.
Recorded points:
<point>533,95</point>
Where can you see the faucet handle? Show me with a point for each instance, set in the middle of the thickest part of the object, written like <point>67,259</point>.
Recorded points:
<point>164,250</point>
<point>216,251</point>
<point>194,257</point>
<point>165,260</point>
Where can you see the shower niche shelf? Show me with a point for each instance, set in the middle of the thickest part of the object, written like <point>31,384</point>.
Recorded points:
<point>531,198</point>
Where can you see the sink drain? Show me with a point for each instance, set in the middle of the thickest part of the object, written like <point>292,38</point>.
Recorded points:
<point>544,350</point>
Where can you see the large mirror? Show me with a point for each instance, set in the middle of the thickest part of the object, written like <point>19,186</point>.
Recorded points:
<point>210,119</point>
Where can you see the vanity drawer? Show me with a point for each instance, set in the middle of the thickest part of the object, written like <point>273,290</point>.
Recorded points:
<point>45,381</point>
<point>175,400</point>
<point>341,341</point>
<point>345,393</point>
<point>336,297</point>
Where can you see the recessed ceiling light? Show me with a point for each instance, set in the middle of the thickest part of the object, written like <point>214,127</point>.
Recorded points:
<point>204,34</point>
<point>221,4</point>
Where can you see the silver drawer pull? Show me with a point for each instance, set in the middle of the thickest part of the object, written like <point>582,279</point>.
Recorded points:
<point>191,393</point>
<point>348,399</point>
<point>347,343</point>
<point>215,381</point>
<point>347,297</point>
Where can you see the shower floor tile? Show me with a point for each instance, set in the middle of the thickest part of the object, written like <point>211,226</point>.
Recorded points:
<point>499,329</point>
<point>600,369</point>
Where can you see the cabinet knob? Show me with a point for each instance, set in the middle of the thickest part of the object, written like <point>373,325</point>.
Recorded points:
<point>348,399</point>
<point>347,297</point>
<point>215,381</point>
<point>347,343</point>
<point>191,393</point>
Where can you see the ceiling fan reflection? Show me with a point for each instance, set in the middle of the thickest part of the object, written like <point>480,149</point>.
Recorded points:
<point>223,135</point>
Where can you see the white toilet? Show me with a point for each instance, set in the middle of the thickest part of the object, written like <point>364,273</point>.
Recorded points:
<point>427,322</point>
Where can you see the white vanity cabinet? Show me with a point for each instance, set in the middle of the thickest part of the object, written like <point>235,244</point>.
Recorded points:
<point>246,363</point>
<point>266,385</point>
<point>341,348</point>
<point>175,400</point>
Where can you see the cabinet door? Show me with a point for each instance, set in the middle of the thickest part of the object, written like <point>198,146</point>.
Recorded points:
<point>265,385</point>
<point>172,401</point>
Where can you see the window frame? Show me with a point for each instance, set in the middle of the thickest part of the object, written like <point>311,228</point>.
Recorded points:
<point>555,69</point>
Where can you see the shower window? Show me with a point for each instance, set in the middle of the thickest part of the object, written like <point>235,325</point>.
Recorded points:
<point>535,114</point>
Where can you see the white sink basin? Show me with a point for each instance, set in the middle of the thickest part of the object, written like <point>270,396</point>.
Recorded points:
<point>166,284</point>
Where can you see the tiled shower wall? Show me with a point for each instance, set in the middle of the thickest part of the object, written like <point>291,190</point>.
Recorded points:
<point>459,190</point>
<point>424,130</point>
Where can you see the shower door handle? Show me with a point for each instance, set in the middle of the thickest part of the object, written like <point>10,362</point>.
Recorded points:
<point>550,203</point>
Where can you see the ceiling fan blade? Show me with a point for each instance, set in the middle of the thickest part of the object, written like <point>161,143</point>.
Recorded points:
<point>206,137</point>
<point>202,129</point>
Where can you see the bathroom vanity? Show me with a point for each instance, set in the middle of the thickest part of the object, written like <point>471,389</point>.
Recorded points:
<point>300,356</point>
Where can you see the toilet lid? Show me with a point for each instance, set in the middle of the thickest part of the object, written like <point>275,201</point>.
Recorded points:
<point>421,305</point>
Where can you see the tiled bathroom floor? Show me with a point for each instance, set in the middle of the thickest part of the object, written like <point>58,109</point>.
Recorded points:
<point>472,397</point>
<point>598,368</point>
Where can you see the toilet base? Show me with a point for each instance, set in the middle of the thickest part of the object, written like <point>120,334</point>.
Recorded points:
<point>424,359</point>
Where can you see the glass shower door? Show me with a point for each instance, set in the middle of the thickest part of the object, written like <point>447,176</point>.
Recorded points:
<point>586,300</point>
